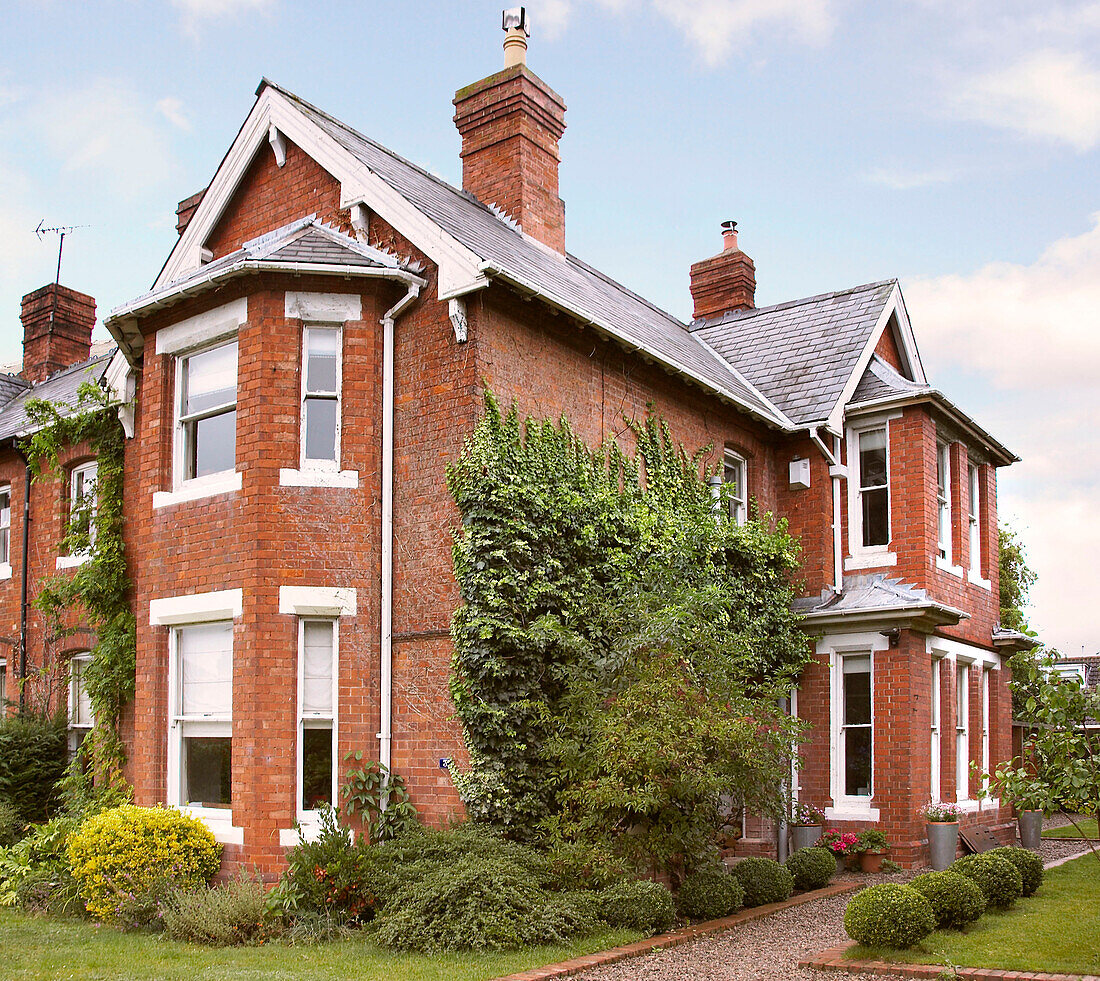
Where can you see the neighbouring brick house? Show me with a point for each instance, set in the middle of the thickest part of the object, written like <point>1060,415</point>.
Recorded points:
<point>314,352</point>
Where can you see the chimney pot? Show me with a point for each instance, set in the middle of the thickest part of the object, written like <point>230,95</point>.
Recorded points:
<point>729,236</point>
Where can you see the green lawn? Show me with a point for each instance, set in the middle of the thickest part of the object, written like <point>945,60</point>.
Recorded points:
<point>1087,826</point>
<point>38,948</point>
<point>1057,930</point>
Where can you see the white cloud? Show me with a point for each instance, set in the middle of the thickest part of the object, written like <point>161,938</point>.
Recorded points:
<point>1017,344</point>
<point>1049,94</point>
<point>172,109</point>
<point>900,179</point>
<point>212,9</point>
<point>551,17</point>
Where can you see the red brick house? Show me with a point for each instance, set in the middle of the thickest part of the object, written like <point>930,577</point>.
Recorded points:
<point>313,353</point>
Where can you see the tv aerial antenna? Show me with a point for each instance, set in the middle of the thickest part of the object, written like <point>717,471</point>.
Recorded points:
<point>61,231</point>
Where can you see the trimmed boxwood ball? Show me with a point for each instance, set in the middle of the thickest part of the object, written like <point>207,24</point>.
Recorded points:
<point>763,880</point>
<point>997,877</point>
<point>638,905</point>
<point>812,868</point>
<point>956,900</point>
<point>889,915</point>
<point>710,893</point>
<point>1028,864</point>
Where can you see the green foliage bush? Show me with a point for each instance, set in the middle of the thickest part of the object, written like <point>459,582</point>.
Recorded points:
<point>638,904</point>
<point>37,864</point>
<point>998,878</point>
<point>764,881</point>
<point>122,851</point>
<point>230,915</point>
<point>811,868</point>
<point>11,825</point>
<point>709,893</point>
<point>1028,864</point>
<point>956,900</point>
<point>33,755</point>
<point>889,915</point>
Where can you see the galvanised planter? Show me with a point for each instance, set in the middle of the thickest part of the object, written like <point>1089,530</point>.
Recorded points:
<point>804,835</point>
<point>943,842</point>
<point>1031,828</point>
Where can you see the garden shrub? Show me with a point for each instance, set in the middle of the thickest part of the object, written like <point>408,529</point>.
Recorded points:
<point>125,849</point>
<point>477,903</point>
<point>1028,864</point>
<point>34,752</point>
<point>811,868</point>
<point>956,900</point>
<point>42,854</point>
<point>709,893</point>
<point>638,904</point>
<point>11,825</point>
<point>997,877</point>
<point>764,881</point>
<point>230,915</point>
<point>889,915</point>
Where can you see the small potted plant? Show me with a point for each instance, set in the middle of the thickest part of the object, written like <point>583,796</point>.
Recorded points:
<point>806,824</point>
<point>943,832</point>
<point>842,844</point>
<point>872,846</point>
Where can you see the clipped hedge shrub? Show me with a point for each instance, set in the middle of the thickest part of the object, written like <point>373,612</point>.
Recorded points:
<point>478,903</point>
<point>710,893</point>
<point>126,849</point>
<point>997,877</point>
<point>764,881</point>
<point>1028,864</point>
<point>34,752</point>
<point>811,868</point>
<point>638,905</point>
<point>889,915</point>
<point>956,900</point>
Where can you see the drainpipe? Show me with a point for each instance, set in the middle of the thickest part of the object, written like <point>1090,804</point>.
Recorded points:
<point>781,844</point>
<point>385,734</point>
<point>23,591</point>
<point>836,471</point>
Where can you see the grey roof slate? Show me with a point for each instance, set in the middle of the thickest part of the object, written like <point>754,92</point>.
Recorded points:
<point>61,387</point>
<point>11,386</point>
<point>881,380</point>
<point>800,354</point>
<point>870,592</point>
<point>497,241</point>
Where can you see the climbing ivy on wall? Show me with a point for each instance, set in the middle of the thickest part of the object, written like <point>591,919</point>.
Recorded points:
<point>98,591</point>
<point>596,584</point>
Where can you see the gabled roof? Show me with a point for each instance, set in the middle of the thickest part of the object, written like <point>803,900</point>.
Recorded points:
<point>62,388</point>
<point>802,353</point>
<point>881,379</point>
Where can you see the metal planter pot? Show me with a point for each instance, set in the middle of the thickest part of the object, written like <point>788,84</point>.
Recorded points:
<point>943,841</point>
<point>1031,828</point>
<point>804,835</point>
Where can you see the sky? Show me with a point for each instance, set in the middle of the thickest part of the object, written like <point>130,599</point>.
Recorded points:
<point>953,145</point>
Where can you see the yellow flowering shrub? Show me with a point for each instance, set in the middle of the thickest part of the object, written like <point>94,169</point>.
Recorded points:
<point>119,854</point>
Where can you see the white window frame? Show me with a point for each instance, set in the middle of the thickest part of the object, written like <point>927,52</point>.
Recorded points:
<point>962,732</point>
<point>739,505</point>
<point>5,534</point>
<point>936,729</point>
<point>867,556</point>
<point>212,482</point>
<point>943,505</point>
<point>316,720</point>
<point>985,725</point>
<point>89,468</point>
<point>82,659</point>
<point>305,463</point>
<point>218,820</point>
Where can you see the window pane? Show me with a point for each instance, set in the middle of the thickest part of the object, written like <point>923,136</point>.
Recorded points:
<point>872,458</point>
<point>317,667</point>
<point>962,694</point>
<point>857,691</point>
<point>207,770</point>
<point>210,379</point>
<point>321,360</point>
<point>876,516</point>
<point>206,670</point>
<point>973,482</point>
<point>81,702</point>
<point>941,471</point>
<point>321,429</point>
<point>857,762</point>
<point>213,444</point>
<point>316,767</point>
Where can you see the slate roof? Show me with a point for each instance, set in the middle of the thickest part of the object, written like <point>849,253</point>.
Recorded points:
<point>800,354</point>
<point>61,387</point>
<point>881,380</point>
<point>498,242</point>
<point>870,592</point>
<point>11,385</point>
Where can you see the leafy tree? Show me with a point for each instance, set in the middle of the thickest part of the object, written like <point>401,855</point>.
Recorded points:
<point>1016,579</point>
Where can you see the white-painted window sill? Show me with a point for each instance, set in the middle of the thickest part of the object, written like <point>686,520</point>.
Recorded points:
<point>5,570</point>
<point>71,561</point>
<point>944,565</point>
<point>969,806</point>
<point>310,831</point>
<point>218,821</point>
<point>975,579</point>
<point>851,813</point>
<point>196,490</point>
<point>319,478</point>
<point>870,560</point>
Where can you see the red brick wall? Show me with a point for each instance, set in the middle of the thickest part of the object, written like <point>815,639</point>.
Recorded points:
<point>887,349</point>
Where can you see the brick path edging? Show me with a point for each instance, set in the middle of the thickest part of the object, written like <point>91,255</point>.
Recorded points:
<point>833,960</point>
<point>663,941</point>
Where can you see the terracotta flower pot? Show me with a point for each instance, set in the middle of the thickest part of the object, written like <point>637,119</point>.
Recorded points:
<point>871,861</point>
<point>851,862</point>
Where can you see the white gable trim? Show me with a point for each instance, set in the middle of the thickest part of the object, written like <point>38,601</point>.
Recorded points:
<point>894,306</point>
<point>458,266</point>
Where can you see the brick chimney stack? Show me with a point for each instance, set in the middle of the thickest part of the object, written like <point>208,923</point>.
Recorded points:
<point>724,282</point>
<point>57,330</point>
<point>510,124</point>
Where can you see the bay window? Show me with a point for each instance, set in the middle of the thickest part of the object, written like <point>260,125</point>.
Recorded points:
<point>943,502</point>
<point>935,741</point>
<point>321,397</point>
<point>874,487</point>
<point>962,732</point>
<point>206,412</point>
<point>856,728</point>
<point>975,527</point>
<point>316,716</point>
